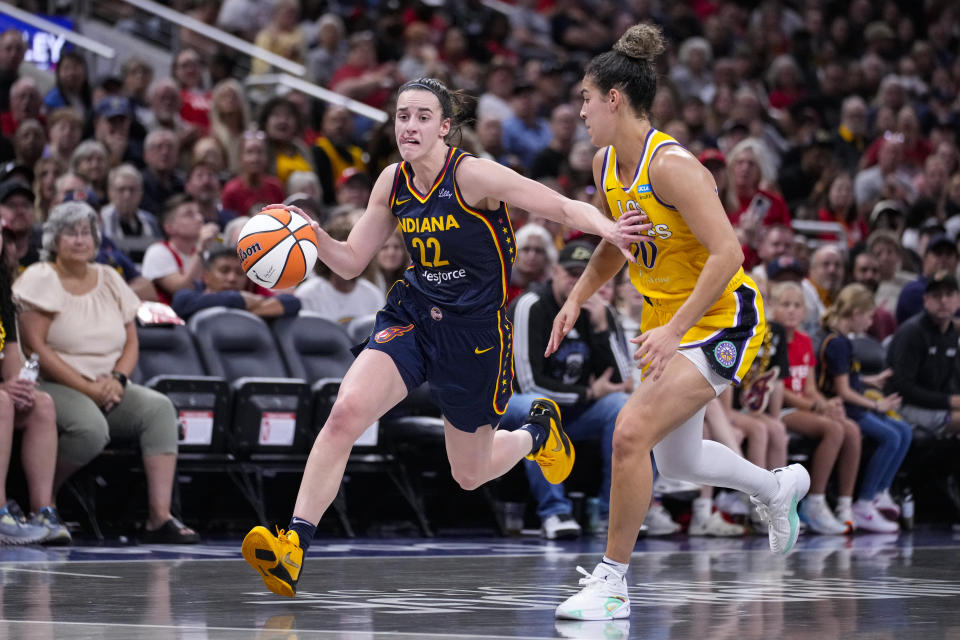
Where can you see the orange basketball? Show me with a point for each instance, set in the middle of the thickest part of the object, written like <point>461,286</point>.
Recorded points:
<point>277,248</point>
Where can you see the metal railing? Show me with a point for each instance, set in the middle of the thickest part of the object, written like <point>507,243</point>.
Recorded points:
<point>331,97</point>
<point>51,27</point>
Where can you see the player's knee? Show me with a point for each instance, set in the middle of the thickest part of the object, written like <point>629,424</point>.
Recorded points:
<point>467,479</point>
<point>630,441</point>
<point>346,417</point>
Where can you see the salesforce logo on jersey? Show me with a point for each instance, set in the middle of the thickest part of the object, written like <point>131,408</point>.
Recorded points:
<point>440,277</point>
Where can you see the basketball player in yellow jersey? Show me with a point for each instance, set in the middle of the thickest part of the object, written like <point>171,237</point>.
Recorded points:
<point>702,322</point>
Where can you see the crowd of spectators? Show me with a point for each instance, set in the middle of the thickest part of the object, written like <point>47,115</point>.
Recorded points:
<point>843,116</point>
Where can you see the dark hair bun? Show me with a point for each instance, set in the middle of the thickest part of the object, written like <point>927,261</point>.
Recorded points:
<point>641,41</point>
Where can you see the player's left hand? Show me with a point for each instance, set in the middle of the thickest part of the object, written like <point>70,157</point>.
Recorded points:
<point>630,228</point>
<point>562,324</point>
<point>656,348</point>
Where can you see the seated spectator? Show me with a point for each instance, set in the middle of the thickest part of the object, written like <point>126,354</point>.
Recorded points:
<point>253,188</point>
<point>391,263</point>
<point>839,376</point>
<point>588,377</point>
<point>114,118</point>
<point>751,205</point>
<point>72,85</point>
<point>888,215</point>
<point>353,189</point>
<point>65,127</point>
<point>24,408</point>
<point>18,217</point>
<point>777,242</point>
<point>334,150</point>
<point>188,72</point>
<point>131,228</point>
<point>330,50</point>
<point>850,139</point>
<point>203,185</point>
<point>28,143</point>
<point>809,413</point>
<point>161,180</point>
<point>549,161</point>
<point>164,113</point>
<point>822,284</point>
<point>45,183</point>
<point>12,52</point>
<point>177,261</point>
<point>525,134</point>
<point>923,357</point>
<point>536,255</point>
<point>873,183</point>
<point>885,247</point>
<point>840,207</point>
<point>78,318</point>
<point>209,151</point>
<point>306,185</point>
<point>336,298</point>
<point>229,118</point>
<point>281,36</point>
<point>224,285</point>
<point>283,124</point>
<point>940,254</point>
<point>91,163</point>
<point>361,77</point>
<point>866,271</point>
<point>25,104</point>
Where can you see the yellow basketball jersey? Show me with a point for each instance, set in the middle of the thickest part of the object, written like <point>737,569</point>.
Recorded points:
<point>667,267</point>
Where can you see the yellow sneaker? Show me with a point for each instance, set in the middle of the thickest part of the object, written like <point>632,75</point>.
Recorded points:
<point>556,456</point>
<point>277,558</point>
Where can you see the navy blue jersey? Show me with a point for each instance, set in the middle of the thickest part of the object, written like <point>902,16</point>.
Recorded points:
<point>461,255</point>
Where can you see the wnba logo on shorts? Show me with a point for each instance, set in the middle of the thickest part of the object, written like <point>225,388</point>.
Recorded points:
<point>249,251</point>
<point>726,354</point>
<point>390,333</point>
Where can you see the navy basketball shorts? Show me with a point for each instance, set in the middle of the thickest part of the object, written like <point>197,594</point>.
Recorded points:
<point>468,361</point>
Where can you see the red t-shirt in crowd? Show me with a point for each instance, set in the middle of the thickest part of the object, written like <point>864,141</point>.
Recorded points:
<point>802,360</point>
<point>195,108</point>
<point>238,196</point>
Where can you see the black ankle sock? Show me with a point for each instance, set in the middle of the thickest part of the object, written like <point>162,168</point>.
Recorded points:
<point>305,530</point>
<point>538,433</point>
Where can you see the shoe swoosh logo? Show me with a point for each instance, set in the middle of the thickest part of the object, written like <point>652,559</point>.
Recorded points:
<point>399,202</point>
<point>289,561</point>
<point>478,350</point>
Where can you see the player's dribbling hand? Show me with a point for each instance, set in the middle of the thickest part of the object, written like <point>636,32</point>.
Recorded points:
<point>562,324</point>
<point>630,228</point>
<point>655,348</point>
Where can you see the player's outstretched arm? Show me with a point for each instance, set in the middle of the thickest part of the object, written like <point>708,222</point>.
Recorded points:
<point>349,258</point>
<point>480,179</point>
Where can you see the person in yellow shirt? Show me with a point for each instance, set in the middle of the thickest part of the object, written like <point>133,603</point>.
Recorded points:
<point>698,305</point>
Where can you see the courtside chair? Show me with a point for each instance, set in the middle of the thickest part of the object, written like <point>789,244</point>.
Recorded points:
<point>270,430</point>
<point>318,350</point>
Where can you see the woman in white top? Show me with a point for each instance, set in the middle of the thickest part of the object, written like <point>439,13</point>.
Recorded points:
<point>78,317</point>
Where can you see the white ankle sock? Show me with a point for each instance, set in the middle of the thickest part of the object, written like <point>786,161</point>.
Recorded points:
<point>816,499</point>
<point>844,501</point>
<point>618,567</point>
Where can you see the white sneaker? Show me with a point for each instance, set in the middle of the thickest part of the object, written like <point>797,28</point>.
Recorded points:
<point>885,504</point>
<point>603,597</point>
<point>845,515</point>
<point>820,519</point>
<point>715,525</point>
<point>560,526</point>
<point>659,522</point>
<point>780,513</point>
<point>867,518</point>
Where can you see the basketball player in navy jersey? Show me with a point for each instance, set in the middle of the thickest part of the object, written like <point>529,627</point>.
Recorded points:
<point>444,322</point>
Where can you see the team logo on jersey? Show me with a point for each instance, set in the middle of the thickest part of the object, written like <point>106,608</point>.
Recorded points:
<point>726,354</point>
<point>436,314</point>
<point>390,333</point>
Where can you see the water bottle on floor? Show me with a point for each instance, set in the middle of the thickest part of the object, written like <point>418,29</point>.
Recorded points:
<point>31,369</point>
<point>907,509</point>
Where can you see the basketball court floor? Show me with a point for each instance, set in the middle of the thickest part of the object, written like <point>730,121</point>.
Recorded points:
<point>869,587</point>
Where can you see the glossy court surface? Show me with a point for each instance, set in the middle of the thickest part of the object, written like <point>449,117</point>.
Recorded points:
<point>870,587</point>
